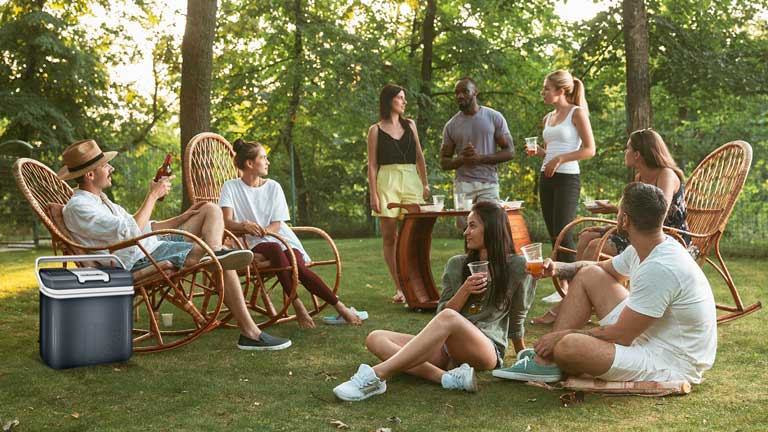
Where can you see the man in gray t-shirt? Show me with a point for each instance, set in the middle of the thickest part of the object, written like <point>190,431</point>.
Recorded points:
<point>479,138</point>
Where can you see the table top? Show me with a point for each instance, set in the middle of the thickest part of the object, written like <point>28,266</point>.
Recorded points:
<point>415,211</point>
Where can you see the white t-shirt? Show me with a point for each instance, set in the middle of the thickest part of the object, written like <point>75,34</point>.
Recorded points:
<point>263,205</point>
<point>670,286</point>
<point>94,220</point>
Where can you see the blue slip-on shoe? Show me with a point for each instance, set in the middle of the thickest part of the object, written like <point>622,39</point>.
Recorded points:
<point>526,369</point>
<point>526,353</point>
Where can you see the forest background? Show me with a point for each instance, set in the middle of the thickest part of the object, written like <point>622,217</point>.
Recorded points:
<point>303,76</point>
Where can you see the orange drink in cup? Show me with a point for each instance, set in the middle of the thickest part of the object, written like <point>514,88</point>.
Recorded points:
<point>534,262</point>
<point>530,145</point>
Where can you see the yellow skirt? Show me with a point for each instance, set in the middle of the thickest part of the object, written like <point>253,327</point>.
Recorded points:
<point>398,183</point>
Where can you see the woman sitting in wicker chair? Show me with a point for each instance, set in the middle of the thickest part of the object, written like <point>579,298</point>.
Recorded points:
<point>647,153</point>
<point>255,205</point>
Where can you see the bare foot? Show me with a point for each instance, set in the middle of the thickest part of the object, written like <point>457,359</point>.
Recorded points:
<point>305,321</point>
<point>546,319</point>
<point>350,317</point>
<point>398,298</point>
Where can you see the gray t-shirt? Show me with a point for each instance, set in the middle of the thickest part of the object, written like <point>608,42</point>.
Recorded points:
<point>495,323</point>
<point>481,130</point>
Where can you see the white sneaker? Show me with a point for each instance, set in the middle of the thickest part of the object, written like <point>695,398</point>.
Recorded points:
<point>555,297</point>
<point>460,378</point>
<point>362,385</point>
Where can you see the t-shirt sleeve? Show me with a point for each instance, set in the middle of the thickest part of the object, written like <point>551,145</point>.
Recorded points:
<point>653,289</point>
<point>622,262</point>
<point>500,126</point>
<point>280,207</point>
<point>226,199</point>
<point>451,280</point>
<point>447,140</point>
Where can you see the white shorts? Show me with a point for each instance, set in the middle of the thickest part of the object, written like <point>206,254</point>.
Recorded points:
<point>641,361</point>
<point>477,191</point>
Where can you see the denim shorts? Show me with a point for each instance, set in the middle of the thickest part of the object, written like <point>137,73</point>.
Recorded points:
<point>174,251</point>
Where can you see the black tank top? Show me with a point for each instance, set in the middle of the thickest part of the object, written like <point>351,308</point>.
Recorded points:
<point>391,151</point>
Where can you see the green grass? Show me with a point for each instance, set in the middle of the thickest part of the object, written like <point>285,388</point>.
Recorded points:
<point>210,385</point>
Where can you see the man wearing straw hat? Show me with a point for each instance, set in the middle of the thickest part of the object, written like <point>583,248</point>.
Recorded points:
<point>94,220</point>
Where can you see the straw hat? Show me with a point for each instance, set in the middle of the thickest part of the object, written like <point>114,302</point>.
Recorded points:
<point>83,157</point>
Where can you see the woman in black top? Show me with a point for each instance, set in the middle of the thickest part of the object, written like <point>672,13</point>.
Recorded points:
<point>396,169</point>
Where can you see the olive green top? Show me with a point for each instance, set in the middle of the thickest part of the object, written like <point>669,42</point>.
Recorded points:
<point>496,323</point>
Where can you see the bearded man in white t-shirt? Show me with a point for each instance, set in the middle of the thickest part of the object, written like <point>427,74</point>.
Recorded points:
<point>663,329</point>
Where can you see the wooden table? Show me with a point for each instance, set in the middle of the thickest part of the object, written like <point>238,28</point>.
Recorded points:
<point>412,256</point>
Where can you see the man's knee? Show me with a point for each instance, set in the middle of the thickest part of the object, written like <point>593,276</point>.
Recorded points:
<point>211,210</point>
<point>568,349</point>
<point>589,274</point>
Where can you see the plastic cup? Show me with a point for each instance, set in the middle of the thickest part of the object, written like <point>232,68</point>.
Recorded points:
<point>533,259</point>
<point>468,204</point>
<point>167,319</point>
<point>479,267</point>
<point>530,145</point>
<point>458,201</point>
<point>438,201</point>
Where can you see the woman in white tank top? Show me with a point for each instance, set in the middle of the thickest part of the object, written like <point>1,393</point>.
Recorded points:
<point>567,139</point>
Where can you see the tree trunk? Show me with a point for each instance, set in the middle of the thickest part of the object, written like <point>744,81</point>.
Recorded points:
<point>639,115</point>
<point>196,68</point>
<point>286,136</point>
<point>425,89</point>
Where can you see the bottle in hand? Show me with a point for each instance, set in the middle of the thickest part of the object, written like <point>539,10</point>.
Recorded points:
<point>164,170</point>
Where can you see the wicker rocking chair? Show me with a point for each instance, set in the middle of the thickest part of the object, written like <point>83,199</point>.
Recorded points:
<point>193,294</point>
<point>207,163</point>
<point>710,196</point>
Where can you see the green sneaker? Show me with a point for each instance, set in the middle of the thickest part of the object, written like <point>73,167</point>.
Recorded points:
<point>528,370</point>
<point>526,353</point>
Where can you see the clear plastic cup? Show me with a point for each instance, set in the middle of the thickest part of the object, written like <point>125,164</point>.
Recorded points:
<point>167,319</point>
<point>530,145</point>
<point>438,201</point>
<point>458,201</point>
<point>534,262</point>
<point>478,267</point>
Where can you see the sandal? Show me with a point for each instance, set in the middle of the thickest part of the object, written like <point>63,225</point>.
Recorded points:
<point>544,320</point>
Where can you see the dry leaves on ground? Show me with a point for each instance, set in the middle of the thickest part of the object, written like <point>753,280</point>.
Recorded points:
<point>339,424</point>
<point>10,425</point>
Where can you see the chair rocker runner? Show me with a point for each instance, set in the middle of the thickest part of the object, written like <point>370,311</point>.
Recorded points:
<point>710,196</point>
<point>208,162</point>
<point>194,294</point>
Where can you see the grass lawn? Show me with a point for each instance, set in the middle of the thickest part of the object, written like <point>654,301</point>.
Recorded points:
<point>211,385</point>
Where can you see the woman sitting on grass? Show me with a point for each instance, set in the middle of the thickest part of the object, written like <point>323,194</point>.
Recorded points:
<point>256,205</point>
<point>473,319</point>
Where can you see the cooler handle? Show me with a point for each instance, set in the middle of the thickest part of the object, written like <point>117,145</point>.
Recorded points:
<point>74,258</point>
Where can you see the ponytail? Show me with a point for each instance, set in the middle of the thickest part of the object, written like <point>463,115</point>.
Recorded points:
<point>577,96</point>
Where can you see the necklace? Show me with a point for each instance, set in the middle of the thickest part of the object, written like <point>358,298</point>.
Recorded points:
<point>396,142</point>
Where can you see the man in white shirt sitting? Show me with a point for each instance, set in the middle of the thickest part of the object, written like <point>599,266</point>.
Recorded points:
<point>663,329</point>
<point>94,220</point>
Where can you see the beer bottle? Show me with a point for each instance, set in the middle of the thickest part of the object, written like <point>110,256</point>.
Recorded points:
<point>164,170</point>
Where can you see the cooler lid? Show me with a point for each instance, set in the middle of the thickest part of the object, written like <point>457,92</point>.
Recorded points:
<point>85,282</point>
